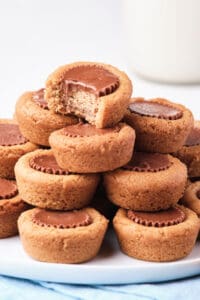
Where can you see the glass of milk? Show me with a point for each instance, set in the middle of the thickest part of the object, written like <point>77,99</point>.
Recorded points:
<point>163,39</point>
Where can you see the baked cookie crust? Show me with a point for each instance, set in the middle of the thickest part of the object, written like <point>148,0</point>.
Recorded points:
<point>190,155</point>
<point>9,155</point>
<point>58,245</point>
<point>147,191</point>
<point>37,123</point>
<point>190,198</point>
<point>59,192</point>
<point>161,135</point>
<point>158,244</point>
<point>106,149</point>
<point>104,111</point>
<point>10,209</point>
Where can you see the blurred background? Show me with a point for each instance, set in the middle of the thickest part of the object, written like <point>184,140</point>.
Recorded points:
<point>38,36</point>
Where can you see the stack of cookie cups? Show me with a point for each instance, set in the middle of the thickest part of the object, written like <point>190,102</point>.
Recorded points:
<point>12,146</point>
<point>78,115</point>
<point>190,155</point>
<point>150,225</point>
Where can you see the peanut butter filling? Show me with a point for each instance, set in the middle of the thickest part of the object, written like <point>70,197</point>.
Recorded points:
<point>38,98</point>
<point>82,89</point>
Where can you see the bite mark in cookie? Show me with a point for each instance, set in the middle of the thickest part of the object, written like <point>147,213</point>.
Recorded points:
<point>38,97</point>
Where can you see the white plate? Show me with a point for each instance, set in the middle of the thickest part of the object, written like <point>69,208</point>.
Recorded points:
<point>109,267</point>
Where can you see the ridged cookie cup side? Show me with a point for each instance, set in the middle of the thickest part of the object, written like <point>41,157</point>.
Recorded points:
<point>190,152</point>
<point>161,244</point>
<point>93,154</point>
<point>191,157</point>
<point>57,245</point>
<point>147,191</point>
<point>36,123</point>
<point>10,210</point>
<point>59,192</point>
<point>191,197</point>
<point>9,155</point>
<point>111,108</point>
<point>157,134</point>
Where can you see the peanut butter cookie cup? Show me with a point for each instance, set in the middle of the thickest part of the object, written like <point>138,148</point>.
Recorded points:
<point>62,237</point>
<point>41,182</point>
<point>149,182</point>
<point>191,197</point>
<point>190,152</point>
<point>96,92</point>
<point>83,148</point>
<point>161,126</point>
<point>11,206</point>
<point>160,236</point>
<point>36,121</point>
<point>12,146</point>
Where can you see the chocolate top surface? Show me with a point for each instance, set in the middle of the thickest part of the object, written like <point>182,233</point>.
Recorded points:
<point>86,130</point>
<point>156,110</point>
<point>198,194</point>
<point>61,219</point>
<point>46,164</point>
<point>10,135</point>
<point>97,80</point>
<point>171,216</point>
<point>193,138</point>
<point>148,162</point>
<point>8,189</point>
<point>38,98</point>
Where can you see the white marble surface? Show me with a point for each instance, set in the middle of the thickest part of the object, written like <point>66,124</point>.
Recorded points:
<point>37,36</point>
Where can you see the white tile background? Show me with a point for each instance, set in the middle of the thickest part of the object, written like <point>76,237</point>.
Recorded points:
<point>36,36</point>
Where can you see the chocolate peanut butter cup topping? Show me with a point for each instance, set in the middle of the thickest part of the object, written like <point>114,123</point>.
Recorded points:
<point>156,110</point>
<point>91,78</point>
<point>193,138</point>
<point>148,162</point>
<point>171,216</point>
<point>46,164</point>
<point>61,219</point>
<point>198,194</point>
<point>38,97</point>
<point>10,135</point>
<point>8,189</point>
<point>86,130</point>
